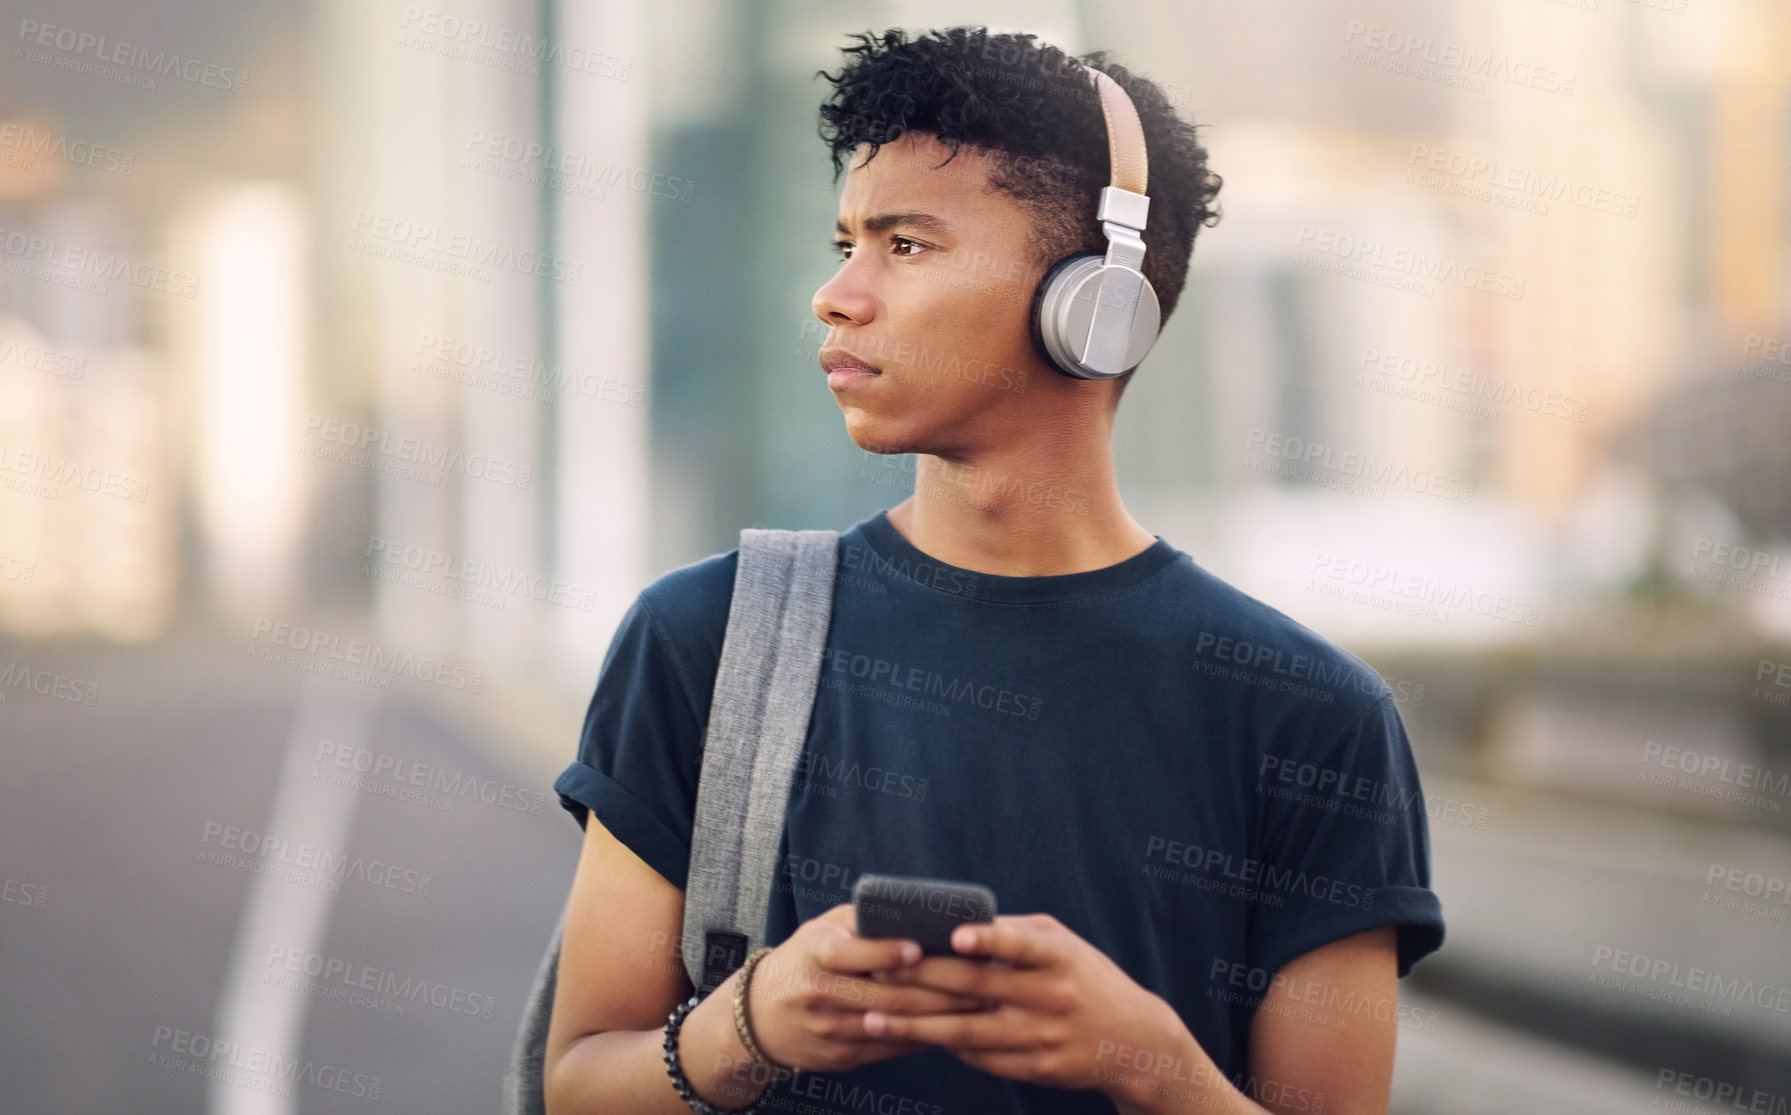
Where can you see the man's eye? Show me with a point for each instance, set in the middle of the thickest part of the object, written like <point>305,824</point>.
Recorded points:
<point>843,248</point>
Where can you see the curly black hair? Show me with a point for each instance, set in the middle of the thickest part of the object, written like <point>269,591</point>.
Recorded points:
<point>1032,108</point>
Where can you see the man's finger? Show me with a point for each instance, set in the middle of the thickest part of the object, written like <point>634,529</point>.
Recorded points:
<point>978,979</point>
<point>840,915</point>
<point>986,1030</point>
<point>857,993</point>
<point>849,953</point>
<point>851,1030</point>
<point>777,978</point>
<point>1007,938</point>
<point>921,1000</point>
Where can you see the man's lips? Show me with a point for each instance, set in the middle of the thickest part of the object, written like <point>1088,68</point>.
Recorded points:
<point>838,360</point>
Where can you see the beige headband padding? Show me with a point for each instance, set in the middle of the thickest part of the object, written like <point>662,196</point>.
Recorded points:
<point>1125,135</point>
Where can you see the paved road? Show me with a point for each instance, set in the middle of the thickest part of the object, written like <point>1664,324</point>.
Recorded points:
<point>117,938</point>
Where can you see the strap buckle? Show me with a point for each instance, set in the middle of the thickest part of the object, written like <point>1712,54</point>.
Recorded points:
<point>724,950</point>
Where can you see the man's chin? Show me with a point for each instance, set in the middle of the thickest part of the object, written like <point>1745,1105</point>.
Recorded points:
<point>876,435</point>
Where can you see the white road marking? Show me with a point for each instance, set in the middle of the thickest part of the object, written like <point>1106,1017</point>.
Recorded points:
<point>265,1020</point>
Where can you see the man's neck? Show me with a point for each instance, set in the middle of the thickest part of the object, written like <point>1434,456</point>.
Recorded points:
<point>1020,518</point>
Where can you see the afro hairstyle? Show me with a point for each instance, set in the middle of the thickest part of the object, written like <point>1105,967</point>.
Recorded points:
<point>1033,110</point>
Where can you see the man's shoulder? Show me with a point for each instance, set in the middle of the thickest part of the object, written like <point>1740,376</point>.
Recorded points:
<point>690,603</point>
<point>1235,631</point>
<point>693,599</point>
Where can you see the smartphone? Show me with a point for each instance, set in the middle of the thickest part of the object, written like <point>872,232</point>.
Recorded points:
<point>923,910</point>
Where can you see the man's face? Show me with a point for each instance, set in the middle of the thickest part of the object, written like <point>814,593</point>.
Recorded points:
<point>939,306</point>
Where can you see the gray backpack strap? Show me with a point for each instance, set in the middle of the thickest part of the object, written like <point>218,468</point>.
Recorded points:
<point>764,693</point>
<point>783,595</point>
<point>525,1076</point>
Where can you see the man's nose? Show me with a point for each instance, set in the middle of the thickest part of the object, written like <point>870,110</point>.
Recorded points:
<point>844,299</point>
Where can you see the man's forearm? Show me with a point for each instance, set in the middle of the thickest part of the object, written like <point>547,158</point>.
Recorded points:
<point>624,1070</point>
<point>1171,1077</point>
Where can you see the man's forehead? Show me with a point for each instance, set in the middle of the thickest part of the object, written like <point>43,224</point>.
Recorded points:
<point>922,152</point>
<point>905,180</point>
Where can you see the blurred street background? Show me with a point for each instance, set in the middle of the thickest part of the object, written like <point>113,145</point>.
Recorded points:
<point>361,360</point>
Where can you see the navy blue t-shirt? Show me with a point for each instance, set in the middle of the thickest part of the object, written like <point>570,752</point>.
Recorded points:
<point>1195,784</point>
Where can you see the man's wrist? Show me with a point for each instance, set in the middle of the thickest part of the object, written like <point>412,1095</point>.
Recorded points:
<point>1166,1071</point>
<point>720,1071</point>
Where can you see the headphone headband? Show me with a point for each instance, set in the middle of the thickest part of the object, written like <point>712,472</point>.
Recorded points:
<point>1125,134</point>
<point>1095,315</point>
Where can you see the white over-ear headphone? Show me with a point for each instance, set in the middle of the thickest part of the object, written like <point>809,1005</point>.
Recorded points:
<point>1096,317</point>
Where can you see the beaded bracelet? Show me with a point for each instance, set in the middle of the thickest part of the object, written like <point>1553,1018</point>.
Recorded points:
<point>676,1070</point>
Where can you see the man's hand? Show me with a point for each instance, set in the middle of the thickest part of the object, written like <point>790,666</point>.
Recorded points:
<point>808,996</point>
<point>1056,1003</point>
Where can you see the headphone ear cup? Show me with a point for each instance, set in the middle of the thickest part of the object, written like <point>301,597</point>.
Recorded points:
<point>1039,296</point>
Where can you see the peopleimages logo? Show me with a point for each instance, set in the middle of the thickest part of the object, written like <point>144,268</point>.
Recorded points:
<point>89,268</point>
<point>308,641</point>
<point>76,45</point>
<point>59,686</point>
<point>40,358</point>
<point>518,375</point>
<point>1527,187</point>
<point>17,569</point>
<point>470,250</point>
<point>1665,974</point>
<point>1736,782</point>
<point>251,1067</point>
<point>24,894</point>
<point>1325,788</point>
<point>1407,264</point>
<point>1313,460</point>
<point>412,457</point>
<point>1778,690</point>
<point>1773,892</point>
<point>429,776</point>
<point>1728,1096</point>
<point>1774,565</point>
<point>824,769</point>
<point>545,165</point>
<point>1251,879</point>
<point>383,986</point>
<point>1266,985</point>
<point>1402,51</point>
<point>479,574</point>
<point>903,359</point>
<point>1430,381</point>
<point>1417,591</point>
<point>503,48</point>
<point>1290,664</point>
<point>1158,1072</point>
<point>22,469</point>
<point>930,683</point>
<point>23,142</point>
<point>240,847</point>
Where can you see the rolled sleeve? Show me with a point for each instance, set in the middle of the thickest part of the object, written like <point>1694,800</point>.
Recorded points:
<point>1347,847</point>
<point>630,820</point>
<point>640,753</point>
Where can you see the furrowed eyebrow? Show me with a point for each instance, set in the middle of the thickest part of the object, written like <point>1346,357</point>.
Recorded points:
<point>884,222</point>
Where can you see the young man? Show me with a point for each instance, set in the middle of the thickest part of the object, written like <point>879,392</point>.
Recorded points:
<point>1203,820</point>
